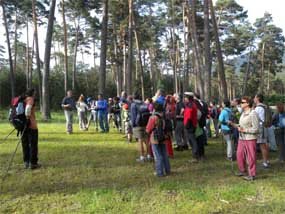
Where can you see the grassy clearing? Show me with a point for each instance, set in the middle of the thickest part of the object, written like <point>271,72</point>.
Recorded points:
<point>88,172</point>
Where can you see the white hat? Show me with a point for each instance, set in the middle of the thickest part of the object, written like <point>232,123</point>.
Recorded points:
<point>191,94</point>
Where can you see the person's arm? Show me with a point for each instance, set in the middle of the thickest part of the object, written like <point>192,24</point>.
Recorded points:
<point>150,125</point>
<point>63,103</point>
<point>28,109</point>
<point>133,114</point>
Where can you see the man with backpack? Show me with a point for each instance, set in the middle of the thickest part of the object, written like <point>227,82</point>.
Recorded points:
<point>30,133</point>
<point>190,122</point>
<point>265,121</point>
<point>139,119</point>
<point>69,105</point>
<point>156,128</point>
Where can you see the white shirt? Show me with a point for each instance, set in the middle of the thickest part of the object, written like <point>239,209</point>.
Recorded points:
<point>81,106</point>
<point>260,112</point>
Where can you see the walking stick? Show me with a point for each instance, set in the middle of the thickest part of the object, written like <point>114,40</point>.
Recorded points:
<point>3,141</point>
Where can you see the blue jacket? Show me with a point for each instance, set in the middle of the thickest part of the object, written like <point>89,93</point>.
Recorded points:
<point>102,106</point>
<point>224,117</point>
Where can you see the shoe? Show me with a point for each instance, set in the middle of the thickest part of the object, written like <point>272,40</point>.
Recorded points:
<point>239,174</point>
<point>149,159</point>
<point>185,147</point>
<point>265,165</point>
<point>35,166</point>
<point>140,160</point>
<point>26,165</point>
<point>249,178</point>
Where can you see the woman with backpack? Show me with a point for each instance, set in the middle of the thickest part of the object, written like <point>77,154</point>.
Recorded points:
<point>279,124</point>
<point>224,119</point>
<point>156,129</point>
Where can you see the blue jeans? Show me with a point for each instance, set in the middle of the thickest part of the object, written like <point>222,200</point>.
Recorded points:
<point>162,164</point>
<point>103,121</point>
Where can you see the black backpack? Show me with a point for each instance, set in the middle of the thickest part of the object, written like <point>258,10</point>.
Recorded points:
<point>204,112</point>
<point>143,115</point>
<point>17,115</point>
<point>159,131</point>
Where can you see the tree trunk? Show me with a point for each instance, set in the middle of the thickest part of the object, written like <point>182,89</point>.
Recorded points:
<point>38,61</point>
<point>140,61</point>
<point>130,49</point>
<point>27,56</point>
<point>16,40</point>
<point>103,56</point>
<point>77,26</point>
<point>65,49</point>
<point>246,75</point>
<point>118,71</point>
<point>221,69</point>
<point>46,98</point>
<point>12,76</point>
<point>207,52</point>
<point>261,90</point>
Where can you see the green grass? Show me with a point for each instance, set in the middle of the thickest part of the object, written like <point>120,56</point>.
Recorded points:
<point>88,172</point>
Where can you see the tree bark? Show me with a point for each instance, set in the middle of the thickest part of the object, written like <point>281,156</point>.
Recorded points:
<point>261,90</point>
<point>207,52</point>
<point>77,26</point>
<point>130,49</point>
<point>16,40</point>
<point>12,76</point>
<point>246,75</point>
<point>103,55</point>
<point>46,97</point>
<point>38,61</point>
<point>65,49</point>
<point>27,56</point>
<point>221,69</point>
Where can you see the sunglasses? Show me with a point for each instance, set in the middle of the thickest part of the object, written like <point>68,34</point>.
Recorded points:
<point>243,102</point>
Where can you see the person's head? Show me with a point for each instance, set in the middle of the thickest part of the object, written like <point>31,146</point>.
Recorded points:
<point>212,103</point>
<point>137,96</point>
<point>188,96</point>
<point>130,99</point>
<point>148,100</point>
<point>30,92</point>
<point>124,94</point>
<point>158,107</point>
<point>177,97</point>
<point>197,96</point>
<point>236,102</point>
<point>226,103</point>
<point>160,92</point>
<point>100,96</point>
<point>110,99</point>
<point>246,102</point>
<point>69,93</point>
<point>258,98</point>
<point>81,98</point>
<point>116,99</point>
<point>280,107</point>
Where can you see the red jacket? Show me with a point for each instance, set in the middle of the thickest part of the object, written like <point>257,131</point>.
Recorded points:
<point>190,114</point>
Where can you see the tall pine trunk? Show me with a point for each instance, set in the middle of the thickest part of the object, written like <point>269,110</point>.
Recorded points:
<point>261,89</point>
<point>130,49</point>
<point>77,26</point>
<point>46,97</point>
<point>38,61</point>
<point>12,76</point>
<point>221,68</point>
<point>65,49</point>
<point>207,52</point>
<point>16,40</point>
<point>103,56</point>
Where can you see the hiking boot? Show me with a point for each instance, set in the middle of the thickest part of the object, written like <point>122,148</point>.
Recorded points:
<point>193,160</point>
<point>249,178</point>
<point>35,166</point>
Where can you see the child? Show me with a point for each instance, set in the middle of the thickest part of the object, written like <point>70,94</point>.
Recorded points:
<point>155,128</point>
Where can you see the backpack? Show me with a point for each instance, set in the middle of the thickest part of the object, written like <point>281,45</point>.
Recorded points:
<point>202,116</point>
<point>267,115</point>
<point>17,115</point>
<point>281,120</point>
<point>232,118</point>
<point>159,132</point>
<point>214,113</point>
<point>143,114</point>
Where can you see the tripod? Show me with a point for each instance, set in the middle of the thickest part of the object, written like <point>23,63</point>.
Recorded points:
<point>5,138</point>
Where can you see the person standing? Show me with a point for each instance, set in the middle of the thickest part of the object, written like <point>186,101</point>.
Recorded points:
<point>248,133</point>
<point>81,110</point>
<point>68,104</point>
<point>30,134</point>
<point>102,108</point>
<point>224,119</point>
<point>263,131</point>
<point>279,124</point>
<point>214,115</point>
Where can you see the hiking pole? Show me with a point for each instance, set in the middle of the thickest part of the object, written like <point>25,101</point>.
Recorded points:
<point>12,158</point>
<point>3,141</point>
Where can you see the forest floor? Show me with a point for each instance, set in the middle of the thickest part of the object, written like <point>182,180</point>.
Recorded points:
<point>90,172</point>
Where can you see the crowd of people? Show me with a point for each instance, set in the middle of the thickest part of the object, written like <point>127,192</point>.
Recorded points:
<point>247,126</point>
<point>156,124</point>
